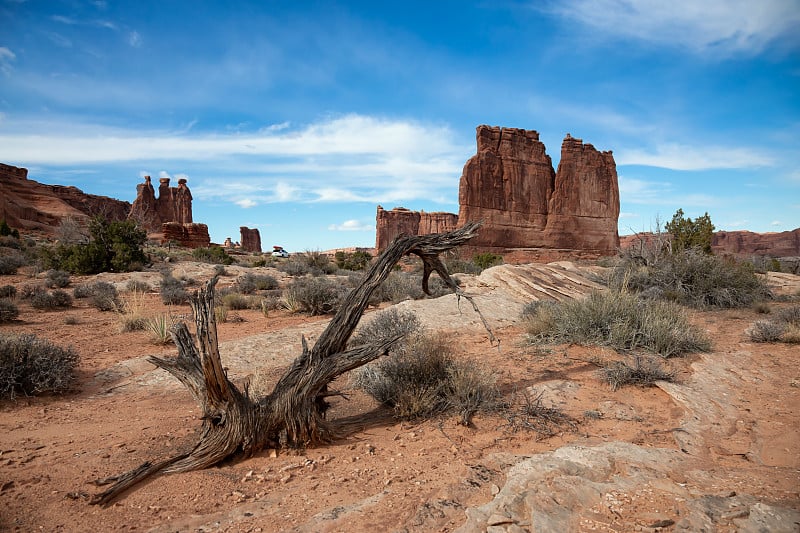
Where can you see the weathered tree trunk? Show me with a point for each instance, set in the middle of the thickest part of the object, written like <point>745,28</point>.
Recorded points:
<point>294,412</point>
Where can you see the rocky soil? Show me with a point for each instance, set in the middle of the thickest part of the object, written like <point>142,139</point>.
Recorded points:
<point>716,451</point>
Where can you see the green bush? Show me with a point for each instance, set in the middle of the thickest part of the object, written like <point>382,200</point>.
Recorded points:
<point>30,366</point>
<point>687,234</point>
<point>48,301</point>
<point>316,296</point>
<point>8,231</point>
<point>459,265</point>
<point>620,320</point>
<point>358,260</point>
<point>172,291</point>
<point>56,279</point>
<point>8,291</point>
<point>115,247</point>
<point>212,254</point>
<point>8,310</point>
<point>487,260</point>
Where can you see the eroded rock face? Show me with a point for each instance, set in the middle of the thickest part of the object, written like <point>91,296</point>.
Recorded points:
<point>32,206</point>
<point>191,235</point>
<point>779,244</point>
<point>173,204</point>
<point>250,239</point>
<point>510,184</point>
<point>402,221</point>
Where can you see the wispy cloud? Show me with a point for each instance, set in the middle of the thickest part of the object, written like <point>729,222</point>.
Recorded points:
<point>6,57</point>
<point>694,157</point>
<point>352,225</point>
<point>726,26</point>
<point>135,39</point>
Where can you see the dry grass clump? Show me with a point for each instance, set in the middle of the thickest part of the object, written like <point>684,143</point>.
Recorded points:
<point>423,378</point>
<point>132,311</point>
<point>526,412</point>
<point>29,365</point>
<point>618,319</point>
<point>643,371</point>
<point>783,327</point>
<point>136,285</point>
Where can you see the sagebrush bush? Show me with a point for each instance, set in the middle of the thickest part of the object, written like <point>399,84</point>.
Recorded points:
<point>621,320</point>
<point>294,267</point>
<point>316,296</point>
<point>423,379</point>
<point>387,325</point>
<point>172,291</point>
<point>30,366</point>
<point>235,301</point>
<point>8,291</point>
<point>84,290</point>
<point>212,254</point>
<point>250,283</point>
<point>103,295</point>
<point>783,327</point>
<point>48,301</point>
<point>643,371</point>
<point>8,310</point>
<point>27,292</point>
<point>358,260</point>
<point>9,264</point>
<point>56,279</point>
<point>136,285</point>
<point>693,278</point>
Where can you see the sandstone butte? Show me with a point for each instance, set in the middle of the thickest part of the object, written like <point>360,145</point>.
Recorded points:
<point>530,211</point>
<point>32,206</point>
<point>250,239</point>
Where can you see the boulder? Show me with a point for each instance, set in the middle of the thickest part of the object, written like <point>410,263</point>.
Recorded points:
<point>250,239</point>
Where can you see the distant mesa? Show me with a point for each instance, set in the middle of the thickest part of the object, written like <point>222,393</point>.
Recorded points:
<point>529,210</point>
<point>784,244</point>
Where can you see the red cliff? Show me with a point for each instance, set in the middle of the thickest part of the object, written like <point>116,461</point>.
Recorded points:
<point>402,221</point>
<point>250,239</point>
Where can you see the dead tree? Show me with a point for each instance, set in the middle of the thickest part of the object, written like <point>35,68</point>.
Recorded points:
<point>294,413</point>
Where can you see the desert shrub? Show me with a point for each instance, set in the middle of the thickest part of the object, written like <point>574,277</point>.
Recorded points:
<point>316,296</point>
<point>159,328</point>
<point>693,278</point>
<point>762,308</point>
<point>487,260</point>
<point>30,365</point>
<point>644,371</point>
<point>103,295</point>
<point>621,320</point>
<point>56,279</point>
<point>136,285</point>
<point>688,234</point>
<point>539,318</point>
<point>250,283</point>
<point>358,260</point>
<point>28,291</point>
<point>783,327</point>
<point>115,246</point>
<point>790,315</point>
<point>69,231</point>
<point>386,325</point>
<point>172,291</point>
<point>424,379</point>
<point>235,301</point>
<point>460,265</point>
<point>212,254</point>
<point>8,231</point>
<point>48,301</point>
<point>8,310</point>
<point>132,311</point>
<point>294,267</point>
<point>10,263</point>
<point>318,262</point>
<point>525,410</point>
<point>8,291</point>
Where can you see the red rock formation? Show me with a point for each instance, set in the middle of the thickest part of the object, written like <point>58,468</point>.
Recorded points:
<point>174,204</point>
<point>191,235</point>
<point>402,221</point>
<point>510,185</point>
<point>778,244</point>
<point>250,239</point>
<point>32,206</point>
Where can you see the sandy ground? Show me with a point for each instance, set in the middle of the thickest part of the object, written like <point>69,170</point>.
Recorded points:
<point>390,476</point>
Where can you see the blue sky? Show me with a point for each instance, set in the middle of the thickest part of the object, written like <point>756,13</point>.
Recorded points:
<point>298,118</point>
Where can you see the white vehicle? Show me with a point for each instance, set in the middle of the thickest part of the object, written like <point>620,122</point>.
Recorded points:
<point>278,251</point>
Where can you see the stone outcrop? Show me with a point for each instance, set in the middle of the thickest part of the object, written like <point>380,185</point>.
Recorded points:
<point>250,239</point>
<point>173,204</point>
<point>402,221</point>
<point>510,184</point>
<point>32,206</point>
<point>529,210</point>
<point>191,235</point>
<point>778,244</point>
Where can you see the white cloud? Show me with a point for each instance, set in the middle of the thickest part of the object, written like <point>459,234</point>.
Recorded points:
<point>135,39</point>
<point>6,57</point>
<point>776,223</point>
<point>246,203</point>
<point>728,26</point>
<point>351,225</point>
<point>693,157</point>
